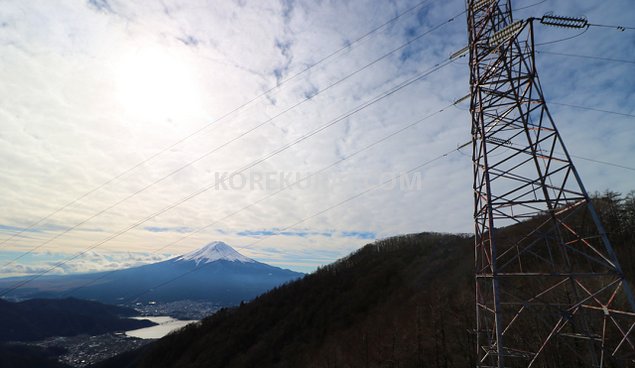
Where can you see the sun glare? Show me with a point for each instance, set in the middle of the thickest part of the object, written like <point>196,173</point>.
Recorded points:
<point>153,83</point>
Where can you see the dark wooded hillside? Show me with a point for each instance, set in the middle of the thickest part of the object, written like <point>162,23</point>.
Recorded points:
<point>400,302</point>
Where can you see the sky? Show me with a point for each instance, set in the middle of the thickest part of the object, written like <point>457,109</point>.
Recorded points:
<point>122,123</point>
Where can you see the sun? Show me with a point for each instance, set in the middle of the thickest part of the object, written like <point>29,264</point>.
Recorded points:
<point>155,83</point>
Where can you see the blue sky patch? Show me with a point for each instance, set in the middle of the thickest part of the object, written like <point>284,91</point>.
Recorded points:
<point>177,229</point>
<point>359,234</point>
<point>307,233</point>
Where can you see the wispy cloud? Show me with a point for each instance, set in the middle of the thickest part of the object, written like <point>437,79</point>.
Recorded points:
<point>359,234</point>
<point>286,233</point>
<point>177,229</point>
<point>43,228</point>
<point>101,5</point>
<point>307,233</point>
<point>15,229</point>
<point>52,263</point>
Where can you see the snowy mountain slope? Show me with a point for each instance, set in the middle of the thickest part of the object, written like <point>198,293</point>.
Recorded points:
<point>214,251</point>
<point>215,272</point>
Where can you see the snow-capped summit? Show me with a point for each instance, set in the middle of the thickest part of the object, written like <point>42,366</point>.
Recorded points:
<point>215,251</point>
<point>215,273</point>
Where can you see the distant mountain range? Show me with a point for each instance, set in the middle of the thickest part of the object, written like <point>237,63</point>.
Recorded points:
<point>215,272</point>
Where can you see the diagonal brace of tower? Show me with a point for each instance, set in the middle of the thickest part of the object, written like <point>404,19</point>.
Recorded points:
<point>549,289</point>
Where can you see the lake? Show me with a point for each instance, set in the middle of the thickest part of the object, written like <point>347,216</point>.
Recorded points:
<point>165,325</point>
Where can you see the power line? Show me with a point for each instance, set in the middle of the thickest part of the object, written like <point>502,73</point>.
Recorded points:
<point>529,6</point>
<point>282,189</point>
<point>316,173</point>
<point>605,162</point>
<point>572,22</point>
<point>348,46</point>
<point>587,57</point>
<point>563,39</point>
<point>355,196</point>
<point>619,28</point>
<point>208,153</point>
<point>592,109</point>
<point>342,117</point>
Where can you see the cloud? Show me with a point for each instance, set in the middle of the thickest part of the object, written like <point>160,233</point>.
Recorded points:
<point>189,40</point>
<point>54,263</point>
<point>180,229</point>
<point>15,229</point>
<point>359,234</point>
<point>111,84</point>
<point>306,233</point>
<point>39,229</point>
<point>286,233</point>
<point>101,5</point>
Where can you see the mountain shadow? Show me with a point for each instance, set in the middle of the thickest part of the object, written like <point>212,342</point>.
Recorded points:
<point>37,319</point>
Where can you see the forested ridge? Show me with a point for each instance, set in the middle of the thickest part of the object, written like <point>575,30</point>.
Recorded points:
<point>405,301</point>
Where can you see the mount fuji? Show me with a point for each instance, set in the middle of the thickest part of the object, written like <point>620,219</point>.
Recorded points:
<point>215,273</point>
<point>212,252</point>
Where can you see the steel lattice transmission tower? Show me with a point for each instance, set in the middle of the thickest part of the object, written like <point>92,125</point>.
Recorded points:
<point>549,290</point>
